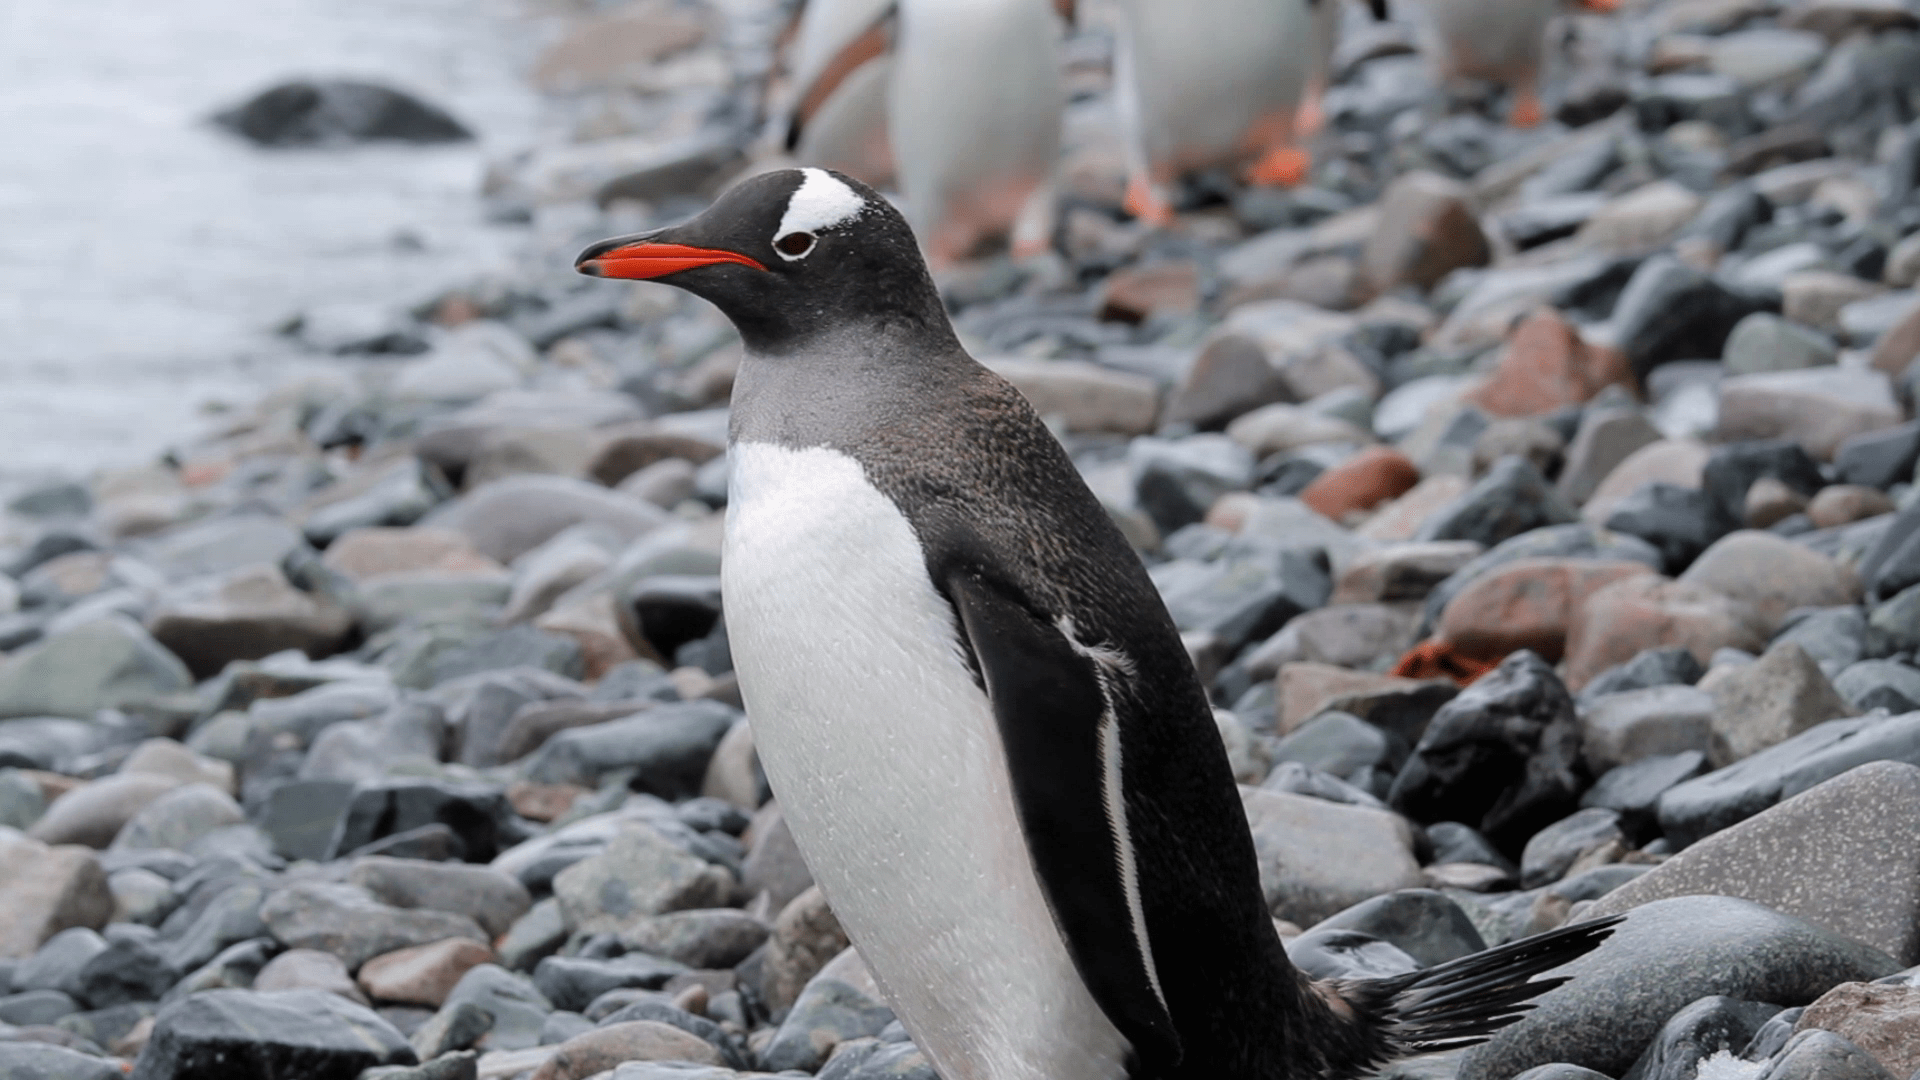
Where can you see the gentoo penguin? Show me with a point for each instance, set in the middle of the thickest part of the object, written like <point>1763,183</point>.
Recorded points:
<point>972,705</point>
<point>1503,41</point>
<point>959,101</point>
<point>1220,83</point>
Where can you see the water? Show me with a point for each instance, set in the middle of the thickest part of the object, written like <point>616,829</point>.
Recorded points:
<point>145,254</point>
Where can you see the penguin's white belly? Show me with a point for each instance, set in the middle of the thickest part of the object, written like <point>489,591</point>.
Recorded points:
<point>887,763</point>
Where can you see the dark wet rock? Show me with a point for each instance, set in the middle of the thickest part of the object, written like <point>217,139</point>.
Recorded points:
<point>667,746</point>
<point>534,936</point>
<point>1621,728</point>
<point>1666,955</point>
<point>1241,600</point>
<point>1291,777</point>
<point>666,611</point>
<point>131,968</point>
<point>1732,470</point>
<point>1178,480</point>
<point>1672,666</point>
<point>1680,521</point>
<point>454,1028</point>
<point>348,922</point>
<point>236,966</point>
<point>1513,498</point>
<point>1879,459</point>
<point>1702,1029</point>
<point>1836,638</point>
<point>325,112</point>
<point>1503,756</point>
<point>242,1035</point>
<point>1422,923</point>
<point>1894,562</point>
<point>1671,311</point>
<point>479,814</point>
<point>1842,855</point>
<point>573,982</point>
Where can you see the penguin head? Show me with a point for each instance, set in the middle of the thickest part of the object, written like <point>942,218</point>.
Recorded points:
<point>786,255</point>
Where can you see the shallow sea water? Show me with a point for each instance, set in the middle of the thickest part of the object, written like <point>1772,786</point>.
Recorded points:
<point>145,255</point>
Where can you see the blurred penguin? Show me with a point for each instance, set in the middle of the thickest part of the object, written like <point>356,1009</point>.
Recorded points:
<point>1221,83</point>
<point>840,57</point>
<point>957,102</point>
<point>1502,41</point>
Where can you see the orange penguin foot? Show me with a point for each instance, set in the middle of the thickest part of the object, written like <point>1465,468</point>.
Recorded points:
<point>1145,205</point>
<point>1527,112</point>
<point>1283,166</point>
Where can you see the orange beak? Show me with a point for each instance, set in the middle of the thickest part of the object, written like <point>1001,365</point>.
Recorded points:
<point>640,260</point>
<point>1604,7</point>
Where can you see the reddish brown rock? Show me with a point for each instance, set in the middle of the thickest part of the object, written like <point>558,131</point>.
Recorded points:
<point>1900,345</point>
<point>365,554</point>
<point>1401,519</point>
<point>1427,230</point>
<point>1644,612</point>
<point>542,802</point>
<point>1363,481</point>
<point>1882,1020</point>
<point>44,890</point>
<point>1843,504</point>
<point>1546,366</point>
<point>1138,293</point>
<point>1526,604</point>
<point>423,974</point>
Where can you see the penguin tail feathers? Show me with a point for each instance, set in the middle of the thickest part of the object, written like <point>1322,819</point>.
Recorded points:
<point>1463,1002</point>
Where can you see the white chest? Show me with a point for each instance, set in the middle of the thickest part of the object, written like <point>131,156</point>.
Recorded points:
<point>885,759</point>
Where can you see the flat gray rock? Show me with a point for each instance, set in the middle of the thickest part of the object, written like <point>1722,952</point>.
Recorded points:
<point>1845,855</point>
<point>1665,956</point>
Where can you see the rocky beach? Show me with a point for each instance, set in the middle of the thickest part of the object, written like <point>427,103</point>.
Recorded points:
<point>1541,508</point>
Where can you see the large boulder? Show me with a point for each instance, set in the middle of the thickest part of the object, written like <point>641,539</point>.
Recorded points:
<point>1665,956</point>
<point>322,112</point>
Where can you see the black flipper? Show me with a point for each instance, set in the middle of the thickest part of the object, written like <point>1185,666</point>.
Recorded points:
<point>1459,1003</point>
<point>1050,703</point>
<point>1379,9</point>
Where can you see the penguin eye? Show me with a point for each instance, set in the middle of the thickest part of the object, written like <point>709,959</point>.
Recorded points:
<point>795,245</point>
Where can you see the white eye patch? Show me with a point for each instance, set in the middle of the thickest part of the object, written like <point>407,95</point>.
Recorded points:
<point>820,202</point>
